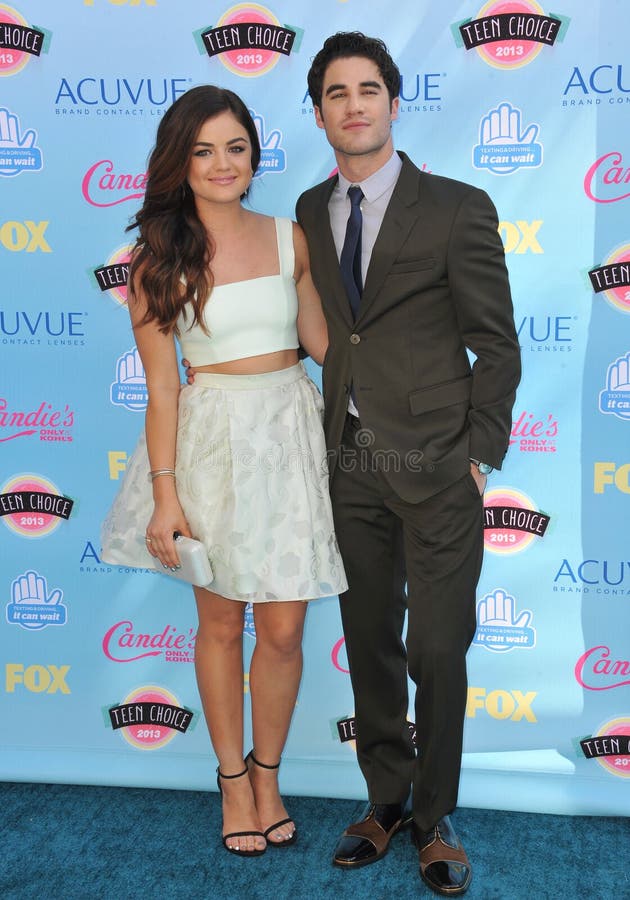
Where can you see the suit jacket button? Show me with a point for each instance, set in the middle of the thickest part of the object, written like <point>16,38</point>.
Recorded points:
<point>355,339</point>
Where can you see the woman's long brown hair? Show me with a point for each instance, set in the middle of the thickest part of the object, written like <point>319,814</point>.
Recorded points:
<point>170,261</point>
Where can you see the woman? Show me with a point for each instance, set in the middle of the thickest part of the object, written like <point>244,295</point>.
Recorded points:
<point>236,460</point>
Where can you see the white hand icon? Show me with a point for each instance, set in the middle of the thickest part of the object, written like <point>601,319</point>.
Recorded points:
<point>32,588</point>
<point>272,140</point>
<point>503,126</point>
<point>619,374</point>
<point>498,609</point>
<point>130,369</point>
<point>9,132</point>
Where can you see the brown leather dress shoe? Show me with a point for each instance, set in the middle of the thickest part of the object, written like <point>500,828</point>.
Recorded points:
<point>444,865</point>
<point>367,840</point>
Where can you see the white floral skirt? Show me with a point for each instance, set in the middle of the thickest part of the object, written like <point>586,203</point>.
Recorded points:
<point>252,479</point>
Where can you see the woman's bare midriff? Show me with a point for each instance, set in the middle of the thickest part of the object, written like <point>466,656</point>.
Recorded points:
<point>253,365</point>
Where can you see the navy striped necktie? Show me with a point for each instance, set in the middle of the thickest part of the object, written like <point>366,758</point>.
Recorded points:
<point>350,260</point>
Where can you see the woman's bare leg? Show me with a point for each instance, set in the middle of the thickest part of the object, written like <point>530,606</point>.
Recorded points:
<point>219,668</point>
<point>274,680</point>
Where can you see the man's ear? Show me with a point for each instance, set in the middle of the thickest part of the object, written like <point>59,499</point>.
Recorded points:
<point>394,112</point>
<point>319,119</point>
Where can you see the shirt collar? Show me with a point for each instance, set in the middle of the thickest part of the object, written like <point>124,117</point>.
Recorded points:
<point>378,182</point>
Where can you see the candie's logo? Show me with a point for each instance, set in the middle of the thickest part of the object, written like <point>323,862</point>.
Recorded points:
<point>32,506</point>
<point>595,670</point>
<point>19,42</point>
<point>608,179</point>
<point>103,186</point>
<point>247,39</point>
<point>339,656</point>
<point>112,276</point>
<point>511,521</point>
<point>534,434</point>
<point>612,279</point>
<point>615,398</point>
<point>52,423</point>
<point>610,746</point>
<point>124,643</point>
<point>149,717</point>
<point>508,34</point>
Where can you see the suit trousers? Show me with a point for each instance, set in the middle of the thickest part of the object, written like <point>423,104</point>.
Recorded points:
<point>436,547</point>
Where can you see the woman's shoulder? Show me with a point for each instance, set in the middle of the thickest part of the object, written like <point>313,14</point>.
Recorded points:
<point>263,221</point>
<point>260,220</point>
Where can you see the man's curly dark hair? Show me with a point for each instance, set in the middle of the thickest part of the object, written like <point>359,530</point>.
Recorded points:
<point>352,43</point>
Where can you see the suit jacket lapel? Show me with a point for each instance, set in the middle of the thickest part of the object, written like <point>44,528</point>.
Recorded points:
<point>401,214</point>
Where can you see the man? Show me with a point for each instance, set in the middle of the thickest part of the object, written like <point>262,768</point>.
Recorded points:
<point>411,273</point>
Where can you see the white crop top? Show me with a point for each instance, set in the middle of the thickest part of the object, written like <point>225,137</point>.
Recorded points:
<point>247,318</point>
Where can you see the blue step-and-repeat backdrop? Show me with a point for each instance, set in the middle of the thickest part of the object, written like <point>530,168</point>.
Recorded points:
<point>530,103</point>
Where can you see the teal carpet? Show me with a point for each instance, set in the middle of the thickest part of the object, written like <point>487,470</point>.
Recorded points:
<point>64,842</point>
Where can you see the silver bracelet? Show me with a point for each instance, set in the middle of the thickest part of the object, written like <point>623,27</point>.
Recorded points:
<point>157,472</point>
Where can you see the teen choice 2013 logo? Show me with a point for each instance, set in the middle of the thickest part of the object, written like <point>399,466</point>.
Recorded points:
<point>511,521</point>
<point>610,746</point>
<point>32,506</point>
<point>19,42</point>
<point>149,717</point>
<point>112,277</point>
<point>509,34</point>
<point>613,279</point>
<point>248,39</point>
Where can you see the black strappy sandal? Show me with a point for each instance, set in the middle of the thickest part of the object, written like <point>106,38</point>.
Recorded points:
<point>234,834</point>
<point>288,841</point>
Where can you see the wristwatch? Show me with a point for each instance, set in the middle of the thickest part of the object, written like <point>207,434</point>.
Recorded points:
<point>484,468</point>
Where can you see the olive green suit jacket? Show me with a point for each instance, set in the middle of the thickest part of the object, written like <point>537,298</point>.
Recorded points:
<point>436,287</point>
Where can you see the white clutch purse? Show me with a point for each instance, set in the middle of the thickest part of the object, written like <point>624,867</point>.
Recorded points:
<point>194,562</point>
